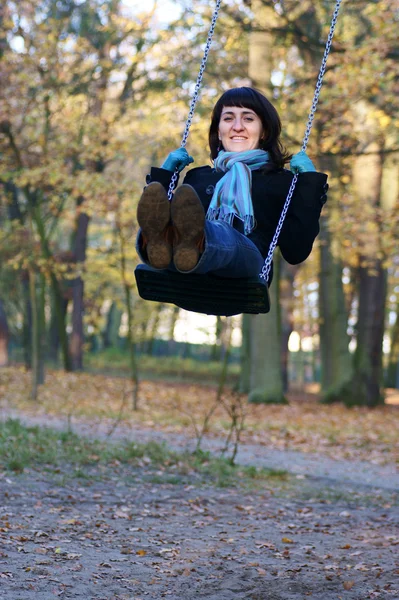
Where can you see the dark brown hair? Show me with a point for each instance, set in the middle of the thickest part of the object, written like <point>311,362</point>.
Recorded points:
<point>247,97</point>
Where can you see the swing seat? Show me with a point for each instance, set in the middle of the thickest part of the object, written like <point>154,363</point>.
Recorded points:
<point>206,294</point>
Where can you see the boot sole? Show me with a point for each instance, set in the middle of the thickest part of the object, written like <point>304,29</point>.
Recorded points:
<point>153,216</point>
<point>188,218</point>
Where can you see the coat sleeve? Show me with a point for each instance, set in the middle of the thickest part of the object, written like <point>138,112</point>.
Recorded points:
<point>301,225</point>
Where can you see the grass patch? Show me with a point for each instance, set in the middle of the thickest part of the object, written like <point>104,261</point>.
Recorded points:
<point>225,474</point>
<point>24,447</point>
<point>346,496</point>
<point>168,368</point>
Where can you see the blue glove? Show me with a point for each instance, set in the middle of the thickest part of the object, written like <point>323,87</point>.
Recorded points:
<point>301,163</point>
<point>178,159</point>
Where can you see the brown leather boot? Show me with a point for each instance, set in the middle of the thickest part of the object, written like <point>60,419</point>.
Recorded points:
<point>153,216</point>
<point>188,219</point>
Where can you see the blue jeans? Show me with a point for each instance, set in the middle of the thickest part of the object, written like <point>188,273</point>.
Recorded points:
<point>227,253</point>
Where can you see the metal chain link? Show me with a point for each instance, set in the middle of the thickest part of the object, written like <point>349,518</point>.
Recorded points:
<point>265,273</point>
<point>196,92</point>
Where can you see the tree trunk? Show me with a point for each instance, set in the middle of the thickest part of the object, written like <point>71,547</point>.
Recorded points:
<point>392,376</point>
<point>55,287</point>
<point>366,387</point>
<point>153,329</point>
<point>261,45</point>
<point>79,242</point>
<point>245,355</point>
<point>172,326</point>
<point>27,321</point>
<point>216,351</point>
<point>41,324</point>
<point>77,335</point>
<point>79,251</point>
<point>266,380</point>
<point>390,203</point>
<point>35,341</point>
<point>60,307</point>
<point>111,331</point>
<point>54,338</point>
<point>287,276</point>
<point>127,286</point>
<point>4,336</point>
<point>336,360</point>
<point>224,356</point>
<point>131,347</point>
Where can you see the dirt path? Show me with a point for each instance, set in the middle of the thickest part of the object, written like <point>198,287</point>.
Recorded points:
<point>119,533</point>
<point>358,473</point>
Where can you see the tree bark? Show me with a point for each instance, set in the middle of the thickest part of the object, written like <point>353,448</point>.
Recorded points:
<point>392,375</point>
<point>127,286</point>
<point>152,329</point>
<point>366,387</point>
<point>27,320</point>
<point>336,360</point>
<point>55,287</point>
<point>266,380</point>
<point>4,336</point>
<point>110,334</point>
<point>261,45</point>
<point>390,203</point>
<point>35,341</point>
<point>172,326</point>
<point>216,351</point>
<point>287,276</point>
<point>41,323</point>
<point>54,336</point>
<point>79,242</point>
<point>79,251</point>
<point>245,355</point>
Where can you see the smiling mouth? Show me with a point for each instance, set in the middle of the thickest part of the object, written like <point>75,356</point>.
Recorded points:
<point>238,139</point>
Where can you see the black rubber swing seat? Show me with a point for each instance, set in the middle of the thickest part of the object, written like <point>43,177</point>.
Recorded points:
<point>206,294</point>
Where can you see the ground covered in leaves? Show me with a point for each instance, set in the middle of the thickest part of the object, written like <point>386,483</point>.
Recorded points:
<point>90,519</point>
<point>125,518</point>
<point>115,536</point>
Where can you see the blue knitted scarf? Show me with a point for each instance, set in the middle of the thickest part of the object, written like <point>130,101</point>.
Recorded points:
<point>232,195</point>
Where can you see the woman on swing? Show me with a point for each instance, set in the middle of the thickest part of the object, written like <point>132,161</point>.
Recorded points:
<point>223,218</point>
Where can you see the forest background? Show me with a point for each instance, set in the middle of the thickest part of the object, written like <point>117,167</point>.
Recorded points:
<point>94,93</point>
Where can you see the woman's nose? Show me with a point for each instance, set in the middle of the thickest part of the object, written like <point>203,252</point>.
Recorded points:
<point>237,125</point>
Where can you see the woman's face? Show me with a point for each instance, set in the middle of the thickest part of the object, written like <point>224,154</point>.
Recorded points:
<point>240,129</point>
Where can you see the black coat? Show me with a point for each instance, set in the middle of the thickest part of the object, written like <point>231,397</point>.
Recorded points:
<point>269,191</point>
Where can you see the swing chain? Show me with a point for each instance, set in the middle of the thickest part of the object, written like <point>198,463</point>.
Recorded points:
<point>321,76</point>
<point>196,92</point>
<point>265,273</point>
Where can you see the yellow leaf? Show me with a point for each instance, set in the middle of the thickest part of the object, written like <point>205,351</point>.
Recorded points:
<point>287,540</point>
<point>141,552</point>
<point>348,585</point>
